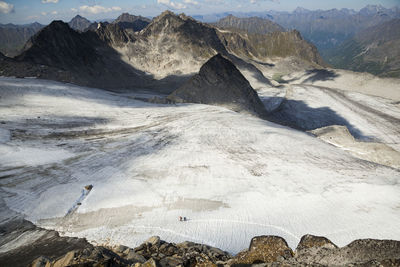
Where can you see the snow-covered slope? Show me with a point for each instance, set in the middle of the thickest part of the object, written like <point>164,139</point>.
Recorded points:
<point>232,175</point>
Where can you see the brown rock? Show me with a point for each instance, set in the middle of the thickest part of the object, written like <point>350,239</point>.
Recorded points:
<point>264,249</point>
<point>154,241</point>
<point>89,187</point>
<point>40,262</point>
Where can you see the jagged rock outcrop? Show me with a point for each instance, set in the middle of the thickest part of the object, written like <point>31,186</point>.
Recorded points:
<point>44,248</point>
<point>263,251</point>
<point>135,23</point>
<point>172,45</point>
<point>79,23</point>
<point>219,82</point>
<point>113,34</point>
<point>250,25</point>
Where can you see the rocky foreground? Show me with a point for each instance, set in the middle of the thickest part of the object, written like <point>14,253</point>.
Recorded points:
<point>48,249</point>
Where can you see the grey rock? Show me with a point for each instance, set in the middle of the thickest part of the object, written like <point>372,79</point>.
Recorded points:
<point>120,248</point>
<point>132,256</point>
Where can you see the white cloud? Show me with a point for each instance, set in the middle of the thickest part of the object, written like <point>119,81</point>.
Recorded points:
<point>257,1</point>
<point>32,17</point>
<point>54,13</point>
<point>43,13</point>
<point>171,4</point>
<point>6,7</point>
<point>49,1</point>
<point>98,9</point>
<point>191,2</point>
<point>74,10</point>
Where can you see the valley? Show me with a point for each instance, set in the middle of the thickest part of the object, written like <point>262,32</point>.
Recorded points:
<point>204,137</point>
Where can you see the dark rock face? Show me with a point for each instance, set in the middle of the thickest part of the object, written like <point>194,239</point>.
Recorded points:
<point>250,25</point>
<point>59,46</point>
<point>79,23</point>
<point>84,58</point>
<point>219,82</point>
<point>128,21</point>
<point>49,245</point>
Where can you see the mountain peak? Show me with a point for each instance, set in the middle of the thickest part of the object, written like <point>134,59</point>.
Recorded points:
<point>57,24</point>
<point>128,21</point>
<point>301,10</point>
<point>126,17</point>
<point>79,23</point>
<point>219,82</point>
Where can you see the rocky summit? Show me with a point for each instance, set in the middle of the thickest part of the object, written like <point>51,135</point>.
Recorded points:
<point>219,82</point>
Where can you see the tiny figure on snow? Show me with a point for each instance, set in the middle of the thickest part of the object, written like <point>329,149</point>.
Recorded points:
<point>184,219</point>
<point>180,218</point>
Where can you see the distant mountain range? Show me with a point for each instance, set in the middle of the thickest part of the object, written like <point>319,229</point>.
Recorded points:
<point>13,37</point>
<point>375,50</point>
<point>250,25</point>
<point>324,28</point>
<point>163,55</point>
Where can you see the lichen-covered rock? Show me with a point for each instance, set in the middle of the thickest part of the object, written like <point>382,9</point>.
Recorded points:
<point>364,252</point>
<point>264,249</point>
<point>312,241</point>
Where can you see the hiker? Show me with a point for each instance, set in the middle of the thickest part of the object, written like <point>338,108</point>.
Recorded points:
<point>180,218</point>
<point>184,219</point>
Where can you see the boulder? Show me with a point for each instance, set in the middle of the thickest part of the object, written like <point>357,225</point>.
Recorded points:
<point>264,249</point>
<point>154,241</point>
<point>311,241</point>
<point>132,256</point>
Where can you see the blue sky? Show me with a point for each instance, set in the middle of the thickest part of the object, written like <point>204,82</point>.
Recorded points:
<point>44,11</point>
